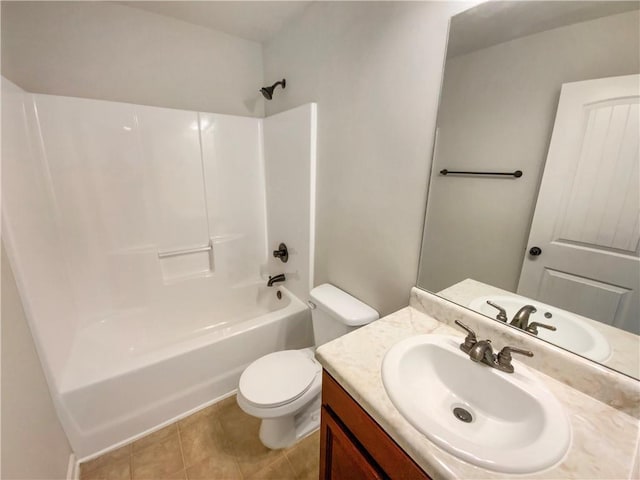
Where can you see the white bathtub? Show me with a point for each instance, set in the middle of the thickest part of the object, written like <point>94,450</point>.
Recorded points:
<point>137,370</point>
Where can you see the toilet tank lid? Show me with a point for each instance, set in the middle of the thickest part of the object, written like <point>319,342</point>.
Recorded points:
<point>343,306</point>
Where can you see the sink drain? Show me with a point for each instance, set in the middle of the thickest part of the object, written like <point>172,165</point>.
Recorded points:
<point>462,415</point>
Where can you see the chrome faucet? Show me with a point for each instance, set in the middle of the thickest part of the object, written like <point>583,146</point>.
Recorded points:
<point>274,279</point>
<point>482,351</point>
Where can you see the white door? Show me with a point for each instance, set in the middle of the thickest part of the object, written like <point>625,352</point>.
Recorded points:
<point>587,219</point>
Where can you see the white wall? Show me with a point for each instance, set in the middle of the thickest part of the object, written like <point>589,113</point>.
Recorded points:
<point>130,182</point>
<point>374,69</point>
<point>31,233</point>
<point>497,113</point>
<point>109,51</point>
<point>234,181</point>
<point>33,442</point>
<point>290,166</point>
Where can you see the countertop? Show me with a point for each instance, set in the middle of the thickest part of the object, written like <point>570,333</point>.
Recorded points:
<point>605,440</point>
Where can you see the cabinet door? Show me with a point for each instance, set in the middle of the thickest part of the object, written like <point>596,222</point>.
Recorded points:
<point>341,458</point>
<point>371,452</point>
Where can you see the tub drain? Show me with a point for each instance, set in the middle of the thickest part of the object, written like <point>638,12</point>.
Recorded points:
<point>462,415</point>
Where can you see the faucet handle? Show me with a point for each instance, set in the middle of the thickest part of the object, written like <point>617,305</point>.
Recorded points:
<point>470,340</point>
<point>469,331</point>
<point>533,327</point>
<point>502,313</point>
<point>504,357</point>
<point>282,253</point>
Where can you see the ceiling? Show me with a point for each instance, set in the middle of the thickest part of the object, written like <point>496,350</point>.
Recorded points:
<point>258,21</point>
<point>495,22</point>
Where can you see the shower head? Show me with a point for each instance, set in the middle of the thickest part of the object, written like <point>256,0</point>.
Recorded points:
<point>267,92</point>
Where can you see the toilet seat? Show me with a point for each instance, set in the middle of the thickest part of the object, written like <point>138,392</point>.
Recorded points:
<point>278,378</point>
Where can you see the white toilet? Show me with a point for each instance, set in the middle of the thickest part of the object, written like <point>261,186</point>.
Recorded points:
<point>283,388</point>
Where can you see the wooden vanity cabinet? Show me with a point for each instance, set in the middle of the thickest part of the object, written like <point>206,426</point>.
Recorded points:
<point>353,446</point>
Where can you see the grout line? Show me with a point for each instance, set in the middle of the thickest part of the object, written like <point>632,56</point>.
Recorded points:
<point>130,460</point>
<point>184,463</point>
<point>235,459</point>
<point>276,459</point>
<point>100,463</point>
<point>293,469</point>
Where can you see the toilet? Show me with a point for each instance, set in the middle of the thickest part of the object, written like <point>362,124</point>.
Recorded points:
<point>283,388</point>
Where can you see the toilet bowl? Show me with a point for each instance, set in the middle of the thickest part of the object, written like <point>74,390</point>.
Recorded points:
<point>283,388</point>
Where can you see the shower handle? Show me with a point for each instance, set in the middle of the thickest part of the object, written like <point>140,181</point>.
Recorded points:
<point>282,253</point>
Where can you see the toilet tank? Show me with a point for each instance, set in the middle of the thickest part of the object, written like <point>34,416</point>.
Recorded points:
<point>337,313</point>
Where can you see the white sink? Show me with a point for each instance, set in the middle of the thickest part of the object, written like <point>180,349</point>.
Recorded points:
<point>573,333</point>
<point>516,426</point>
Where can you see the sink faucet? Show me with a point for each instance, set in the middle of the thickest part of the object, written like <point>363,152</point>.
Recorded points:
<point>521,318</point>
<point>277,278</point>
<point>482,351</point>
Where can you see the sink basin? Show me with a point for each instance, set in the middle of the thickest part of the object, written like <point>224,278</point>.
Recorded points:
<point>573,333</point>
<point>506,422</point>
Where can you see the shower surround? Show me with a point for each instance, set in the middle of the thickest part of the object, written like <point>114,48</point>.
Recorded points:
<point>140,240</point>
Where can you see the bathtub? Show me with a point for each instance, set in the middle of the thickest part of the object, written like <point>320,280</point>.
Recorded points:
<point>136,370</point>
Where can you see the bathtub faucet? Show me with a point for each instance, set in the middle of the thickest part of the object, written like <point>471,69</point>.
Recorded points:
<point>277,278</point>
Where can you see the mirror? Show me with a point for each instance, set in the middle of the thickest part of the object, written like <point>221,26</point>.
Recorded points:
<point>550,90</point>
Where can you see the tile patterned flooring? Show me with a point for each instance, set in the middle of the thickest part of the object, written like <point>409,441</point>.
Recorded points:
<point>219,442</point>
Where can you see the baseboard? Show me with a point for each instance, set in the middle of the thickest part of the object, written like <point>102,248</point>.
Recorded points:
<point>73,469</point>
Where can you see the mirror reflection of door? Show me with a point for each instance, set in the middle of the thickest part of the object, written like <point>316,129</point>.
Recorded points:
<point>586,223</point>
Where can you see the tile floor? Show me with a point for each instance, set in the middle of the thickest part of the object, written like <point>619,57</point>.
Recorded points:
<point>219,442</point>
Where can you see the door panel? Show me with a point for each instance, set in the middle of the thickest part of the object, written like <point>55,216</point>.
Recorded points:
<point>590,297</point>
<point>604,181</point>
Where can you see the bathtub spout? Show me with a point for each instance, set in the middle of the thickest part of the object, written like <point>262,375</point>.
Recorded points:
<point>277,278</point>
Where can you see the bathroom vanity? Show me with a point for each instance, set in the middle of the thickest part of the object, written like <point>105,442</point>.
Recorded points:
<point>353,445</point>
<point>363,434</point>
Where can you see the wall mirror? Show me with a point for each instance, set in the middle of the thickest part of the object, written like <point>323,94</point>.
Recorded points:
<point>534,193</point>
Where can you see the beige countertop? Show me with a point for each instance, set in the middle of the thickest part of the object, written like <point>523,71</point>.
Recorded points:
<point>605,440</point>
